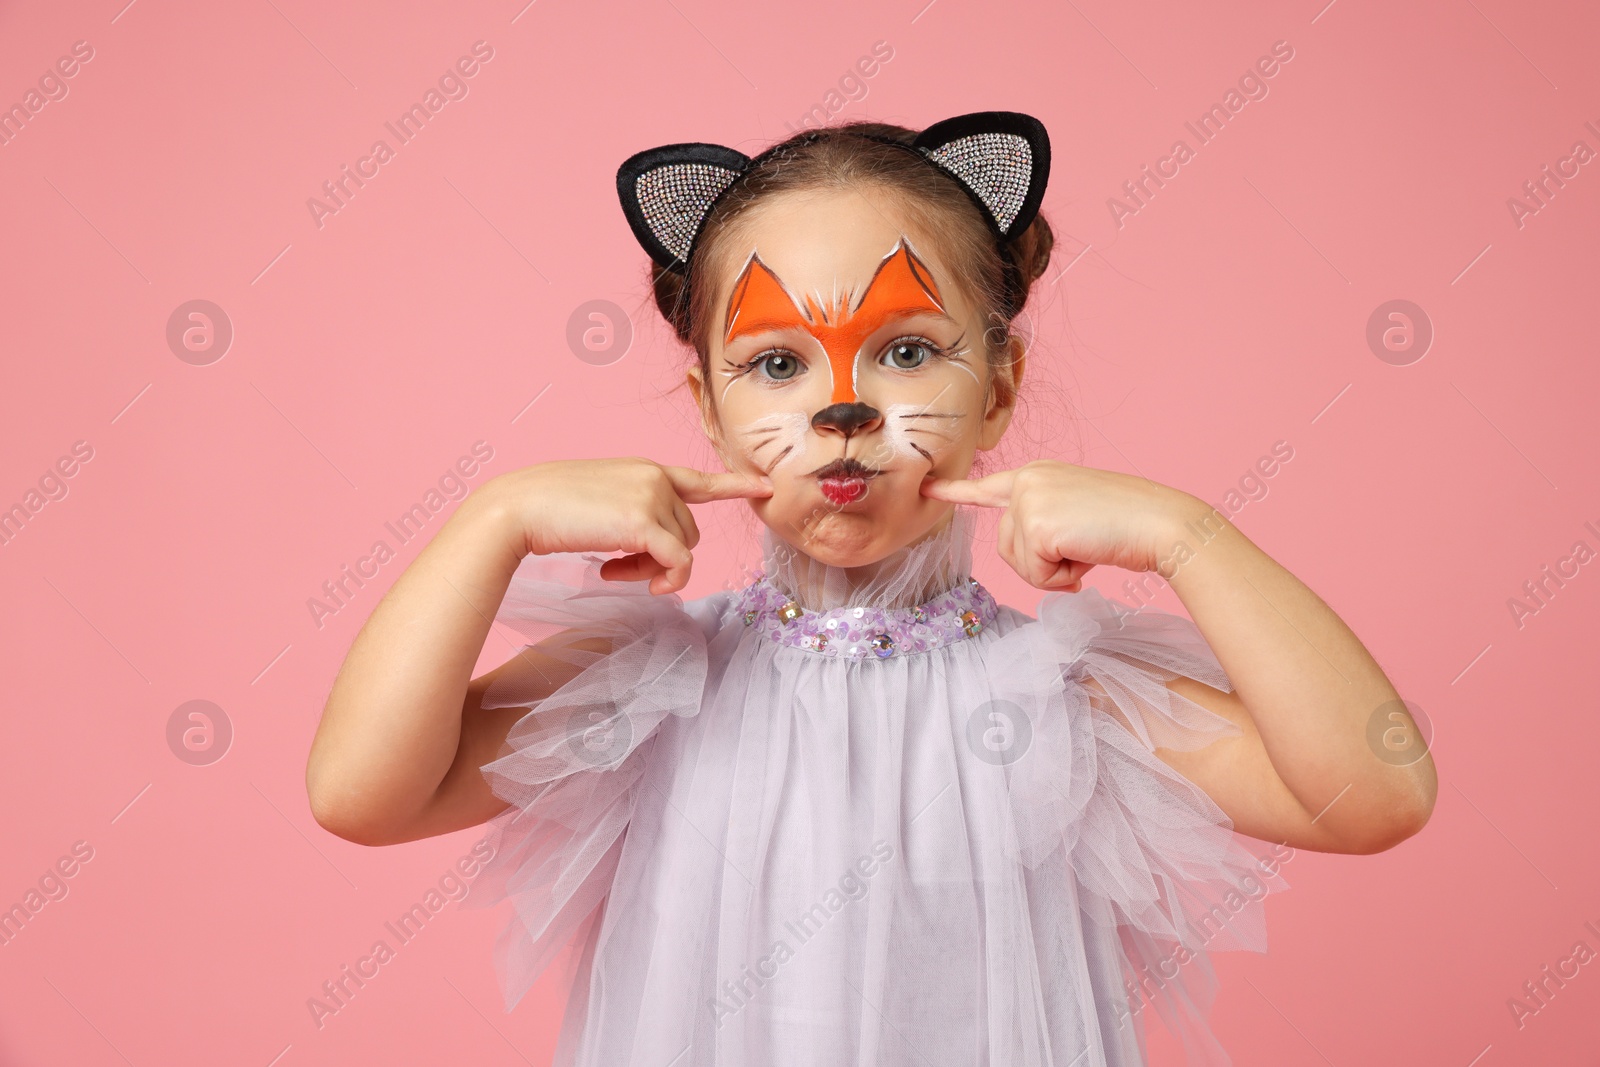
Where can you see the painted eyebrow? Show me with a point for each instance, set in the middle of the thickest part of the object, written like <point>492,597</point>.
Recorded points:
<point>767,325</point>
<point>922,312</point>
<point>774,325</point>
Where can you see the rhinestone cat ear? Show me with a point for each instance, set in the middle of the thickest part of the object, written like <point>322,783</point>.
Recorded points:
<point>1002,158</point>
<point>666,193</point>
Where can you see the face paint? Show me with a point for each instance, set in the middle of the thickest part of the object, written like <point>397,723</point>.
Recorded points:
<point>849,373</point>
<point>900,287</point>
<point>904,423</point>
<point>775,437</point>
<point>881,375</point>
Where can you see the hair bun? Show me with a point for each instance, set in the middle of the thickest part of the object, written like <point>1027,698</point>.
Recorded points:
<point>1031,249</point>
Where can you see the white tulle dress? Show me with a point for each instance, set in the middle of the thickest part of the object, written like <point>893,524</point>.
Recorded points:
<point>800,823</point>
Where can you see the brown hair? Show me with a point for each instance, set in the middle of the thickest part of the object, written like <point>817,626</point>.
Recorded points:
<point>849,154</point>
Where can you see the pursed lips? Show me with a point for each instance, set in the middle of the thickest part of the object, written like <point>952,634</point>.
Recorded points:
<point>844,480</point>
<point>845,467</point>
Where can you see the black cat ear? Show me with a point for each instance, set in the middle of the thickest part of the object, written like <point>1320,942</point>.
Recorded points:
<point>667,191</point>
<point>1001,157</point>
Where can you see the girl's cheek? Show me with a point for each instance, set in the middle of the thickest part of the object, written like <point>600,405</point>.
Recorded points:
<point>908,438</point>
<point>772,444</point>
<point>899,431</point>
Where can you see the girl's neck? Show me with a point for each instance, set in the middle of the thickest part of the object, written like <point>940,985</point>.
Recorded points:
<point>912,574</point>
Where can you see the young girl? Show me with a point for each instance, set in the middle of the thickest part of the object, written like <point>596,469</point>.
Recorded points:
<point>857,812</point>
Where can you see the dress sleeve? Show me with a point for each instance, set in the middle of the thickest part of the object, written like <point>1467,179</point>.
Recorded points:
<point>1155,859</point>
<point>571,766</point>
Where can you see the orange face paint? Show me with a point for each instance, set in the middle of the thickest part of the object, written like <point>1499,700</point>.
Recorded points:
<point>902,285</point>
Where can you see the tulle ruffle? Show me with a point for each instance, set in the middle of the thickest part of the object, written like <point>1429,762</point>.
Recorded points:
<point>1031,875</point>
<point>1155,860</point>
<point>571,766</point>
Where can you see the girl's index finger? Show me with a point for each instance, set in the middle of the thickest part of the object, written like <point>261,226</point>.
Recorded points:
<point>698,487</point>
<point>991,491</point>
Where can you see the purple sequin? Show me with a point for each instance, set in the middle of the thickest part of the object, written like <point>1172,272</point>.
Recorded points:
<point>867,632</point>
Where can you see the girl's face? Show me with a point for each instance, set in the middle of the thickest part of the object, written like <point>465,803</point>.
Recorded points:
<point>847,366</point>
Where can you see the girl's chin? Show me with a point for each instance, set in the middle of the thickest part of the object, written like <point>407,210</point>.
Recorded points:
<point>852,535</point>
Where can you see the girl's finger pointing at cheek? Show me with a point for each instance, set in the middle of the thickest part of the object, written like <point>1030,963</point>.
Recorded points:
<point>992,492</point>
<point>699,487</point>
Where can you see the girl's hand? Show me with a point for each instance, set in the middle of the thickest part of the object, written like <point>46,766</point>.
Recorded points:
<point>1061,520</point>
<point>627,504</point>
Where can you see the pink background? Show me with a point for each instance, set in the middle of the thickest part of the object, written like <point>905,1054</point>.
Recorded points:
<point>1227,314</point>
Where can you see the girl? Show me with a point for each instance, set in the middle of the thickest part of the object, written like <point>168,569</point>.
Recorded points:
<point>856,811</point>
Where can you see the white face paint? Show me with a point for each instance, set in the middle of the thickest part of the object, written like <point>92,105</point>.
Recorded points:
<point>935,429</point>
<point>846,342</point>
<point>779,433</point>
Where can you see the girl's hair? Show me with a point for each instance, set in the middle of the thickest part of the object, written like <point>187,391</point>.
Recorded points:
<point>854,154</point>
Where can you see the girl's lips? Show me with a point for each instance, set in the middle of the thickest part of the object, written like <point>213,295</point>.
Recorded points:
<point>844,480</point>
<point>842,490</point>
<point>844,467</point>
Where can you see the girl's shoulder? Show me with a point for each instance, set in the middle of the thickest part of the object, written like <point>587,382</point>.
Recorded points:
<point>714,611</point>
<point>1074,624</point>
<point>1122,656</point>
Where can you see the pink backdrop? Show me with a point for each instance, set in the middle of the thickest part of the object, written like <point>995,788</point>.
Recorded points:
<point>172,556</point>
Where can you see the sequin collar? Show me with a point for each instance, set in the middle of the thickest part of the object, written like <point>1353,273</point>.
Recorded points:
<point>866,632</point>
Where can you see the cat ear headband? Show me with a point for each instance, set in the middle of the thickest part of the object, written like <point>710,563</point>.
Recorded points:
<point>1000,158</point>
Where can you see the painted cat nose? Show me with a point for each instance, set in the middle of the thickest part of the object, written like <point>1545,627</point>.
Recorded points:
<point>847,418</point>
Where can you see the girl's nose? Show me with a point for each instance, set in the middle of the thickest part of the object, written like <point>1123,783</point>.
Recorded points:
<point>849,418</point>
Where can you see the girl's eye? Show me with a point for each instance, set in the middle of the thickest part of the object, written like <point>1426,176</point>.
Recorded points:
<point>777,365</point>
<point>909,353</point>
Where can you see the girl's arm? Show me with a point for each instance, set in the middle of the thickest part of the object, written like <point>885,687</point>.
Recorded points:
<point>1305,692</point>
<point>403,739</point>
<point>388,763</point>
<point>1305,689</point>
